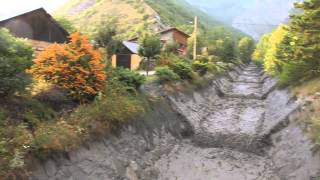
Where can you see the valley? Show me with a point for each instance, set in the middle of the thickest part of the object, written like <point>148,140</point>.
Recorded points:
<point>160,90</point>
<point>229,130</point>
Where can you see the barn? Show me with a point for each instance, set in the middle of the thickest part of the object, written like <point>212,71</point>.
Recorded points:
<point>38,27</point>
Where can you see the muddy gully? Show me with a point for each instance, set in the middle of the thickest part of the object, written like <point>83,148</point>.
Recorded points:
<point>240,127</point>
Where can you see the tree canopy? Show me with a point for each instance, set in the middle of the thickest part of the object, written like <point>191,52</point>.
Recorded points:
<point>292,52</point>
<point>245,49</point>
<point>149,47</point>
<point>15,58</point>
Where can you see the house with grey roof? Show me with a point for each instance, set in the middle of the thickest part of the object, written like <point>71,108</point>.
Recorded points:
<point>128,56</point>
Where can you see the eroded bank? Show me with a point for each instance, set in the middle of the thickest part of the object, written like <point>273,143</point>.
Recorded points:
<point>239,127</point>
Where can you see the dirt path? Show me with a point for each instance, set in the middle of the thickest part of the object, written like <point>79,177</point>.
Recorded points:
<point>239,128</point>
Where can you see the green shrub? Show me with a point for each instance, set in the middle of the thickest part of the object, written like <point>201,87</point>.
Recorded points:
<point>171,47</point>
<point>15,58</point>
<point>115,106</point>
<point>200,67</point>
<point>39,110</point>
<point>293,73</point>
<point>14,145</point>
<point>55,137</point>
<point>165,74</point>
<point>3,117</point>
<point>182,68</point>
<point>128,77</point>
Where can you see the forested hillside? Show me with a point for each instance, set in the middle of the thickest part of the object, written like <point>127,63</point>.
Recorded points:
<point>181,14</point>
<point>132,16</point>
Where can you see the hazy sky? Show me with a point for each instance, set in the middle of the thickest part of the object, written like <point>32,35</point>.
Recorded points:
<point>11,8</point>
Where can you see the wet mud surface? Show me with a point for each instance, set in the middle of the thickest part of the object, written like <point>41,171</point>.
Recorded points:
<point>239,128</point>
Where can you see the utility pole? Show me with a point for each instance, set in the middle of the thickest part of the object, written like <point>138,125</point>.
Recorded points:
<point>195,38</point>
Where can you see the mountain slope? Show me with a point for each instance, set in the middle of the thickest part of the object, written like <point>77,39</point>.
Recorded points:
<point>263,17</point>
<point>224,10</point>
<point>134,16</point>
<point>180,13</point>
<point>254,17</point>
<point>129,16</point>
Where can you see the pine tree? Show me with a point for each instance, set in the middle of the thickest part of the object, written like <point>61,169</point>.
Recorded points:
<point>245,48</point>
<point>229,51</point>
<point>301,46</point>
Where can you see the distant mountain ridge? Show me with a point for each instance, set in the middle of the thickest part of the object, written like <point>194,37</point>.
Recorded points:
<point>264,16</point>
<point>223,10</point>
<point>254,17</point>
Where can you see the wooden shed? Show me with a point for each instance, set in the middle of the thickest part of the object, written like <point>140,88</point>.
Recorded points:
<point>36,25</point>
<point>127,57</point>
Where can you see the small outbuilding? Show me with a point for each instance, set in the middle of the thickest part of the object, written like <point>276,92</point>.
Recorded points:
<point>128,56</point>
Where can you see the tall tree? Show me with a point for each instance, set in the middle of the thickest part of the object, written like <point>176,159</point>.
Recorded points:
<point>149,47</point>
<point>245,49</point>
<point>272,63</point>
<point>229,50</point>
<point>261,49</point>
<point>300,47</point>
<point>15,58</point>
<point>106,36</point>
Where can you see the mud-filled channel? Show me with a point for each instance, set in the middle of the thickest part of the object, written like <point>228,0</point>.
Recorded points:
<point>240,127</point>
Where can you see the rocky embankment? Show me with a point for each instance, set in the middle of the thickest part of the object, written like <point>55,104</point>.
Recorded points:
<point>238,127</point>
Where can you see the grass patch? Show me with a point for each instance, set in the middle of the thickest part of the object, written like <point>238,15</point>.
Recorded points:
<point>307,88</point>
<point>315,120</point>
<point>310,90</point>
<point>37,134</point>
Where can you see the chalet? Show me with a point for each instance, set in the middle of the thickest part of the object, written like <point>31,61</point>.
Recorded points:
<point>172,35</point>
<point>38,27</point>
<point>129,58</point>
<point>175,35</point>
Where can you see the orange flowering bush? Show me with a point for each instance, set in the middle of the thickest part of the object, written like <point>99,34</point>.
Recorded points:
<point>76,67</point>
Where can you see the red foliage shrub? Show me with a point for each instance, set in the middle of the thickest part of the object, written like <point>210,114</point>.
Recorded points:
<point>76,67</point>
